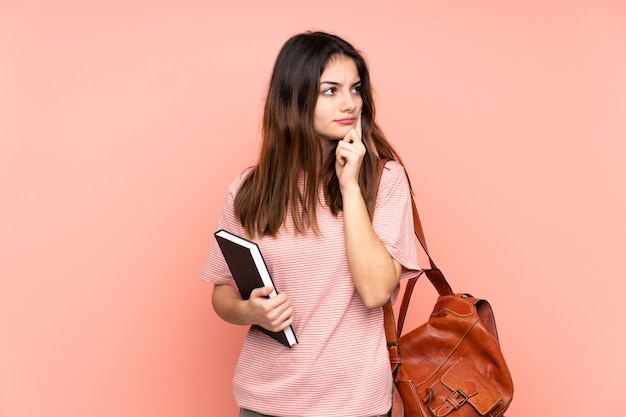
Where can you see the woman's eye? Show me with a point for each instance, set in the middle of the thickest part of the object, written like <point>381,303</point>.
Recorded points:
<point>329,91</point>
<point>357,89</point>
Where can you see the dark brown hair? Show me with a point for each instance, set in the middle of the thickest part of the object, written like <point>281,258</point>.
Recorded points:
<point>290,145</point>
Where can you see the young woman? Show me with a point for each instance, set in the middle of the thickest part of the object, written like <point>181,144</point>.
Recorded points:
<point>336,241</point>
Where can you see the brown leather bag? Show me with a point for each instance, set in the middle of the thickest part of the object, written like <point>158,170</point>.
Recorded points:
<point>451,365</point>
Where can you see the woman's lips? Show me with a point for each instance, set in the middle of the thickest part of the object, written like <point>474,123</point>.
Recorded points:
<point>346,121</point>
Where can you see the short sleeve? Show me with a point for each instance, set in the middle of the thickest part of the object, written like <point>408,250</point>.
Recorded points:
<point>393,218</point>
<point>215,269</point>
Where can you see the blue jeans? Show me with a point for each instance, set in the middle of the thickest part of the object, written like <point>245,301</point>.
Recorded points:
<point>248,413</point>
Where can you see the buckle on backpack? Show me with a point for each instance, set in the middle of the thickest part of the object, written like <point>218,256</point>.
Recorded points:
<point>457,398</point>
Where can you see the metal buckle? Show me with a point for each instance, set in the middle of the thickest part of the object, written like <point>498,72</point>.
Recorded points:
<point>459,395</point>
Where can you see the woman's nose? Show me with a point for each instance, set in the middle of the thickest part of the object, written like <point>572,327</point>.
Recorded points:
<point>347,103</point>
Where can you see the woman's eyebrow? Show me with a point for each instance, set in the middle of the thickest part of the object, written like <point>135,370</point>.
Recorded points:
<point>337,83</point>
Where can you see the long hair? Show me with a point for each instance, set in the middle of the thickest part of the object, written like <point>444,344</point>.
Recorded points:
<point>290,145</point>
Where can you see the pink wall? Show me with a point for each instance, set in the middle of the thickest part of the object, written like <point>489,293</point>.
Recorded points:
<point>121,125</point>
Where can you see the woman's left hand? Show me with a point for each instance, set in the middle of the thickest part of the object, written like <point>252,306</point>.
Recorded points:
<point>349,153</point>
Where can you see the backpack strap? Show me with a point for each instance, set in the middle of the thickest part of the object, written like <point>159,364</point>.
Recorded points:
<point>435,276</point>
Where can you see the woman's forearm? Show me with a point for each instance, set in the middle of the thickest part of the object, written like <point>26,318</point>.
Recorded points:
<point>374,272</point>
<point>229,305</point>
<point>273,314</point>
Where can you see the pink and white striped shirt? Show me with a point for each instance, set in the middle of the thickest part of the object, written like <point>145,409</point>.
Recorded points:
<point>340,367</point>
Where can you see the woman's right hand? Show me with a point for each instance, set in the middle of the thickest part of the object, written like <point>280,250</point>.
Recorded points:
<point>273,314</point>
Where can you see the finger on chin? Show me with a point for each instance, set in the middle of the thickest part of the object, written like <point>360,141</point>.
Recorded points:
<point>352,136</point>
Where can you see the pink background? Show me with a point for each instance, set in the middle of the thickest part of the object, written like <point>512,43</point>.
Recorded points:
<point>122,123</point>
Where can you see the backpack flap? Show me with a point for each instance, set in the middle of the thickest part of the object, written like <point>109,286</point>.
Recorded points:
<point>460,385</point>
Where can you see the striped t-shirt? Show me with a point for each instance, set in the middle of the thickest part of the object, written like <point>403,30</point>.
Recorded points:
<point>340,367</point>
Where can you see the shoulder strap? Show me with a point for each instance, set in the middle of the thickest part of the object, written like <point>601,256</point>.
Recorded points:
<point>433,273</point>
